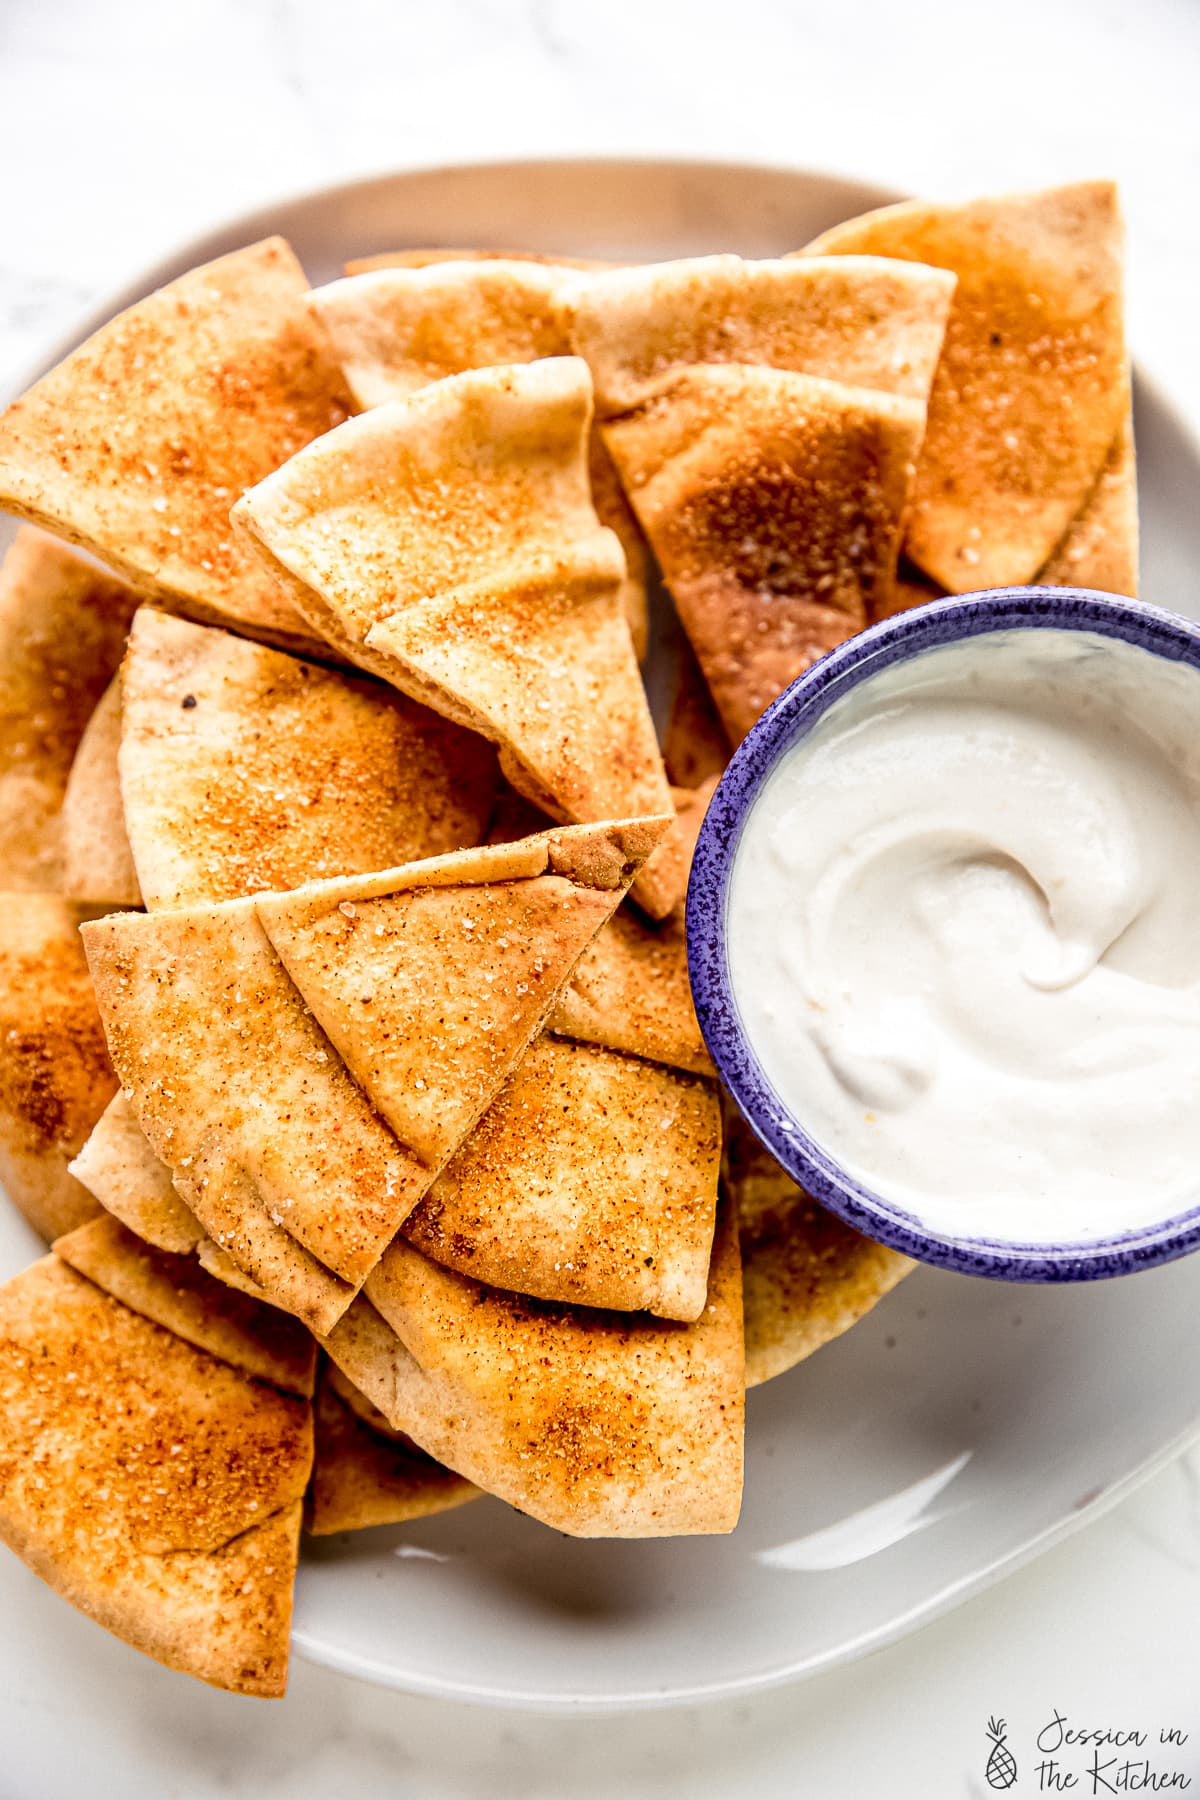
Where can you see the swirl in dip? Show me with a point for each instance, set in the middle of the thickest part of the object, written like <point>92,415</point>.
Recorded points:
<point>964,935</point>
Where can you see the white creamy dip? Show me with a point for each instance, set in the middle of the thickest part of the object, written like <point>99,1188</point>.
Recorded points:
<point>964,935</point>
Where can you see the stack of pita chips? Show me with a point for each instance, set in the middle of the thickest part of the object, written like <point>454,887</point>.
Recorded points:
<point>396,328</point>
<point>315,1034</point>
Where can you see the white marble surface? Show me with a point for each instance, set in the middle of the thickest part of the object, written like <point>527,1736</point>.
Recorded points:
<point>127,127</point>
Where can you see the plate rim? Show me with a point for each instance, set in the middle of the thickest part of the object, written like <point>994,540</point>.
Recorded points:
<point>259,220</point>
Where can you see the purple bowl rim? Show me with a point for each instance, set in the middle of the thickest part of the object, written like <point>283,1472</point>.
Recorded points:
<point>898,639</point>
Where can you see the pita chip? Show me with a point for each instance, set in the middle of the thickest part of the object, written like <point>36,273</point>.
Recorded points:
<point>244,769</point>
<point>695,747</point>
<point>426,258</point>
<point>62,632</point>
<point>118,1166</point>
<point>398,329</point>
<point>365,1475</point>
<point>449,543</point>
<point>806,1276</point>
<point>301,1165</point>
<point>138,443</point>
<point>1100,549</point>
<point>598,1424</point>
<point>765,429</point>
<point>55,1074</point>
<point>175,1292</point>
<point>99,864</point>
<point>152,1484</point>
<point>1032,385</point>
<point>591,1179</point>
<point>630,990</point>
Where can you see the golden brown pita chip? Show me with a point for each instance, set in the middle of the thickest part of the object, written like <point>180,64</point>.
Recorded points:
<point>449,542</point>
<point>55,1074</point>
<point>425,258</point>
<point>1032,384</point>
<point>270,1138</point>
<point>909,589</point>
<point>362,1477</point>
<point>98,862</point>
<point>118,1166</point>
<point>1100,549</point>
<point>152,1485</point>
<point>62,631</point>
<point>176,1293</point>
<point>806,1277</point>
<point>744,479</point>
<point>137,444</point>
<point>630,990</point>
<point>695,747</point>
<point>432,993</point>
<point>244,769</point>
<point>860,322</point>
<point>399,329</point>
<point>591,1179</point>
<point>599,1424</point>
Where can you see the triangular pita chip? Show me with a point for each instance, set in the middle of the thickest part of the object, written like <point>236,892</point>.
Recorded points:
<point>55,1074</point>
<point>860,322</point>
<point>62,631</point>
<point>599,1424</point>
<point>398,329</point>
<point>154,1486</point>
<point>118,1166</point>
<point>591,1179</point>
<point>176,1293</point>
<point>774,503</point>
<point>630,990</point>
<point>1032,384</point>
<point>270,1138</point>
<point>449,542</point>
<point>244,769</point>
<point>806,1276</point>
<point>765,425</point>
<point>137,444</point>
<point>1100,549</point>
<point>432,993</point>
<point>695,745</point>
<point>363,1477</point>
<point>98,862</point>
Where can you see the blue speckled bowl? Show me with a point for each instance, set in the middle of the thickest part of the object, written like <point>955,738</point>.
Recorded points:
<point>791,717</point>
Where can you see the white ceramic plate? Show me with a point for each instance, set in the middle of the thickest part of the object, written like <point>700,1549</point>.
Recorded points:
<point>964,1426</point>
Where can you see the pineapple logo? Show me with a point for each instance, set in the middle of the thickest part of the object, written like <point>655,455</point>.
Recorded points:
<point>1001,1768</point>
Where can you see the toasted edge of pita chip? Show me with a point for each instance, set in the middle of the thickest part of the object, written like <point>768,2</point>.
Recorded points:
<point>62,631</point>
<point>176,1293</point>
<point>1029,393</point>
<point>806,1276</point>
<point>136,445</point>
<point>1100,548</point>
<point>864,323</point>
<point>599,1424</point>
<point>55,1074</point>
<point>244,769</point>
<point>362,1477</point>
<point>743,478</point>
<point>591,1179</point>
<point>155,1487</point>
<point>425,258</point>
<point>449,543</point>
<point>99,863</point>
<point>118,1166</point>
